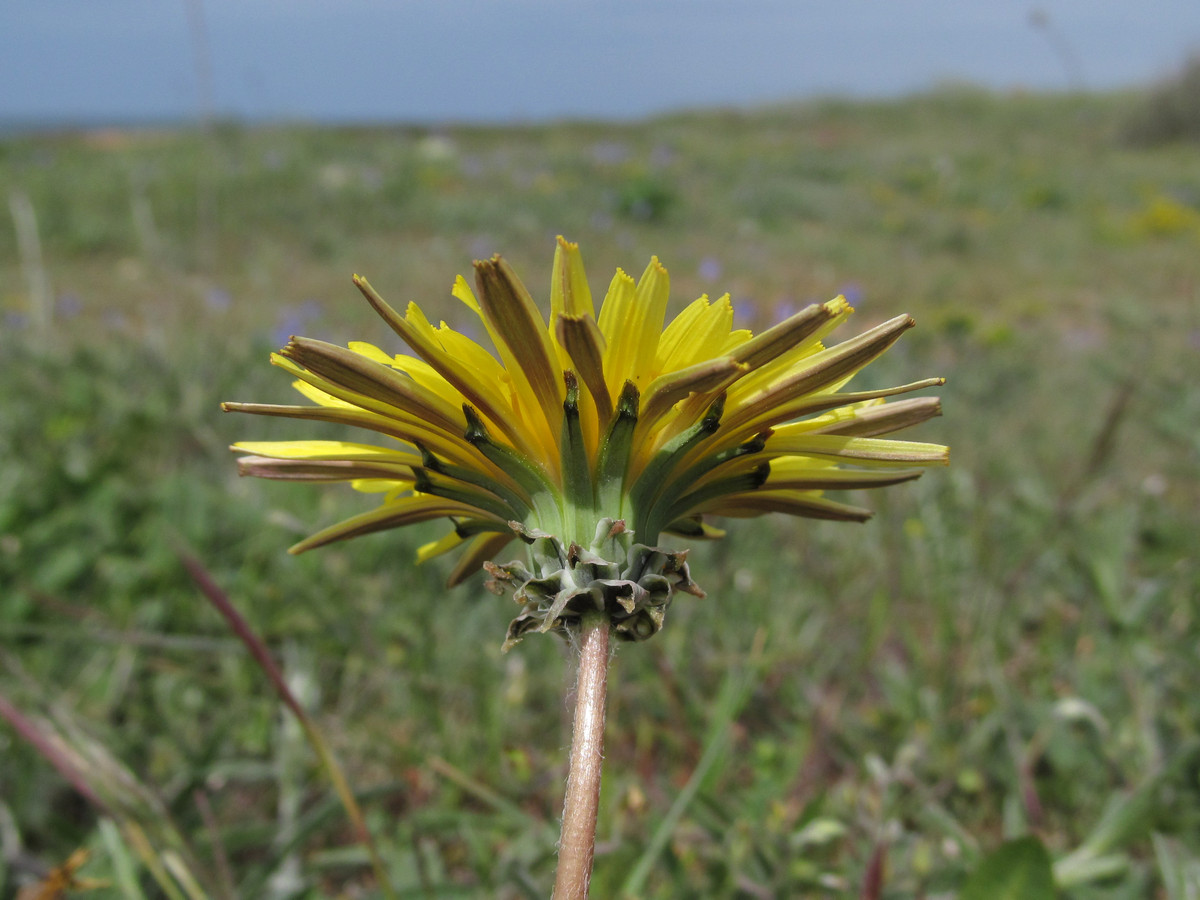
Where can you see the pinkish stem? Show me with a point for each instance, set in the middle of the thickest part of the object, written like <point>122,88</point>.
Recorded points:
<point>578,842</point>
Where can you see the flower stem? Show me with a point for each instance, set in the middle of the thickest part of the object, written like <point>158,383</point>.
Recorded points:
<point>578,842</point>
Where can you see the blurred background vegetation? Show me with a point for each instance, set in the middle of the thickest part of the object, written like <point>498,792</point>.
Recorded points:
<point>1009,647</point>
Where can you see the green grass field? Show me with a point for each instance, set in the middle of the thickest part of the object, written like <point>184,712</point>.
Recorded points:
<point>1008,648</point>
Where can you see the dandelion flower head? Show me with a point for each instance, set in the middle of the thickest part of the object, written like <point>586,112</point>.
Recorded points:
<point>588,436</point>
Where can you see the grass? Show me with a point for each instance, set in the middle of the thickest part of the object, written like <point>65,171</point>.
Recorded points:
<point>1007,648</point>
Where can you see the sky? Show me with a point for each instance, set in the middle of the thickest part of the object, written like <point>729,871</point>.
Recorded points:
<point>506,60</point>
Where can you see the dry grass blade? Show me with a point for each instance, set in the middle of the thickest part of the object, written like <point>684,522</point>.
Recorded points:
<point>262,656</point>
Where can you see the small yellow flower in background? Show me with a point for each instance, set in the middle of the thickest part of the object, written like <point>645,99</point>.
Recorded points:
<point>1164,216</point>
<point>589,436</point>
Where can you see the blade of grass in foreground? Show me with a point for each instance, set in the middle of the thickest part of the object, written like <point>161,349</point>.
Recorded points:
<point>124,870</point>
<point>735,691</point>
<point>117,795</point>
<point>1126,817</point>
<point>266,662</point>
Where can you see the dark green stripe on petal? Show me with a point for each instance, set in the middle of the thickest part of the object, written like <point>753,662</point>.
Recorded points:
<point>653,479</point>
<point>371,379</point>
<point>695,528</point>
<point>819,372</point>
<point>697,473</point>
<point>809,506</point>
<point>516,320</point>
<point>841,479</point>
<point>667,390</point>
<point>429,482</point>
<point>428,347</point>
<point>394,514</point>
<point>576,468</point>
<point>753,417</point>
<point>720,487</point>
<point>613,463</point>
<point>531,478</point>
<point>887,417</point>
<point>480,550</point>
<point>328,470</point>
<point>787,335</point>
<point>479,479</point>
<point>581,338</point>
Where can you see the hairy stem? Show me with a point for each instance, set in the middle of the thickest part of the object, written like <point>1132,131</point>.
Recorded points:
<point>577,844</point>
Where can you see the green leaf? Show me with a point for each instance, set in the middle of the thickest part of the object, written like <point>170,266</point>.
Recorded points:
<point>1018,869</point>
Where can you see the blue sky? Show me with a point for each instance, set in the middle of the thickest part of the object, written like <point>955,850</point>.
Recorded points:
<point>369,60</point>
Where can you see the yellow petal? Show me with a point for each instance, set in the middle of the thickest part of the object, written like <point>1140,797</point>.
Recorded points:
<point>569,291</point>
<point>325,450</point>
<point>653,292</point>
<point>570,295</point>
<point>444,544</point>
<point>616,312</point>
<point>699,333</point>
<point>378,485</point>
<point>316,395</point>
<point>463,292</point>
<point>371,352</point>
<point>631,321</point>
<point>736,339</point>
<point>862,451</point>
<point>428,377</point>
